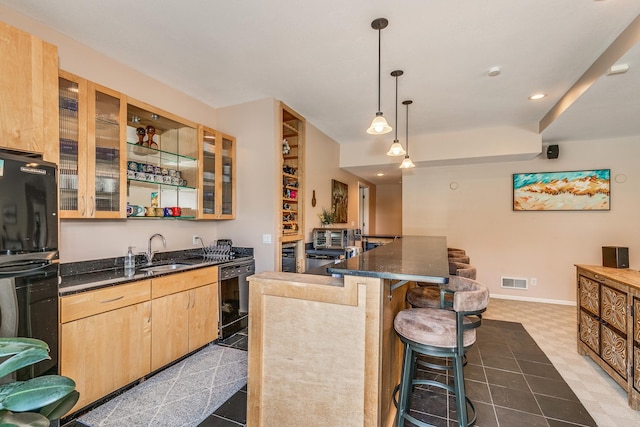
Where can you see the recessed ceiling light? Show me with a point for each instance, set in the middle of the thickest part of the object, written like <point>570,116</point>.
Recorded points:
<point>494,71</point>
<point>379,174</point>
<point>537,96</point>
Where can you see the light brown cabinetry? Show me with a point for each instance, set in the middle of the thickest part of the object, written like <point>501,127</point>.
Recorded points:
<point>28,106</point>
<point>185,314</point>
<point>608,332</point>
<point>217,161</point>
<point>106,339</point>
<point>292,177</point>
<point>162,161</point>
<point>92,165</point>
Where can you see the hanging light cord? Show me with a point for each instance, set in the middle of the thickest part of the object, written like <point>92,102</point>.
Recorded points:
<point>396,126</point>
<point>407,129</point>
<point>379,64</point>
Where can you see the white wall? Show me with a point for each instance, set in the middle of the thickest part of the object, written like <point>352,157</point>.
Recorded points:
<point>257,184</point>
<point>478,217</point>
<point>321,166</point>
<point>389,209</point>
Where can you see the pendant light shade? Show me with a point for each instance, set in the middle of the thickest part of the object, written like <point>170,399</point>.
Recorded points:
<point>407,163</point>
<point>379,125</point>
<point>396,148</point>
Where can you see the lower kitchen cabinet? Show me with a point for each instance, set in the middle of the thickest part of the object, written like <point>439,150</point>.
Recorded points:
<point>106,339</point>
<point>111,337</point>
<point>185,314</point>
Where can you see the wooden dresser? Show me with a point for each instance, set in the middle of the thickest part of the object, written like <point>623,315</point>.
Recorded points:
<point>609,323</point>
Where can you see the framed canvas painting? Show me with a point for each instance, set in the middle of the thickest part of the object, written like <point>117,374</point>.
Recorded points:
<point>587,190</point>
<point>339,200</point>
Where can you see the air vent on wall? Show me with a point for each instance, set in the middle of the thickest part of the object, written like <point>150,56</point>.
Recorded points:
<point>514,283</point>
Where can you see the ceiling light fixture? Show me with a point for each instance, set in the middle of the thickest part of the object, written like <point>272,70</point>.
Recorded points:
<point>379,125</point>
<point>379,174</point>
<point>407,163</point>
<point>396,148</point>
<point>617,69</point>
<point>537,96</point>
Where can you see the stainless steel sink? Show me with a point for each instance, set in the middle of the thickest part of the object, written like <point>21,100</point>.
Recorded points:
<point>165,268</point>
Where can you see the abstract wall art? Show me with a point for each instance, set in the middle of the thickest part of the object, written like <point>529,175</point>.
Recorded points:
<point>562,191</point>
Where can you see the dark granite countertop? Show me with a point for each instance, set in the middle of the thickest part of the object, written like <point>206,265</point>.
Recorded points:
<point>88,275</point>
<point>418,258</point>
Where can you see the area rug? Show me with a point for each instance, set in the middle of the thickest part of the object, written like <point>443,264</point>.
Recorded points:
<point>182,395</point>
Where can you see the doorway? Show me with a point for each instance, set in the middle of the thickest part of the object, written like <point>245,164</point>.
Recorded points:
<point>363,208</point>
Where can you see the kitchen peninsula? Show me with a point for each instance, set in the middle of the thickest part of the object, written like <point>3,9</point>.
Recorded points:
<point>322,349</point>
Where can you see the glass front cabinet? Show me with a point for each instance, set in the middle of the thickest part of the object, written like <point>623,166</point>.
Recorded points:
<point>162,164</point>
<point>217,181</point>
<point>92,167</point>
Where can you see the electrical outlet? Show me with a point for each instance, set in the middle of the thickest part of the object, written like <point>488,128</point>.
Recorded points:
<point>534,281</point>
<point>195,240</point>
<point>266,239</point>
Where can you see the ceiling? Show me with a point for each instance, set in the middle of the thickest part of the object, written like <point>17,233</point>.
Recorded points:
<point>321,58</point>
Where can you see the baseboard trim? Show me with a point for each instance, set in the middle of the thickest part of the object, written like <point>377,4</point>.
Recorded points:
<point>530,299</point>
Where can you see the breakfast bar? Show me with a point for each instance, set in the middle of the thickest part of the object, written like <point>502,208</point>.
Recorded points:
<point>322,348</point>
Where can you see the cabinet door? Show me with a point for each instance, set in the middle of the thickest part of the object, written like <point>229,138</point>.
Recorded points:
<point>590,295</point>
<point>170,333</point>
<point>105,352</point>
<point>107,162</point>
<point>589,330</point>
<point>73,168</point>
<point>203,316</point>
<point>613,349</point>
<point>209,164</point>
<point>636,343</point>
<point>227,194</point>
<point>218,180</point>
<point>613,308</point>
<point>28,105</point>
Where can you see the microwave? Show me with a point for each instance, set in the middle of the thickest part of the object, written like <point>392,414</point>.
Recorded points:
<point>333,238</point>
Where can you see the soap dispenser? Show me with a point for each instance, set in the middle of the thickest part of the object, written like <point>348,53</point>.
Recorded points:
<point>130,260</point>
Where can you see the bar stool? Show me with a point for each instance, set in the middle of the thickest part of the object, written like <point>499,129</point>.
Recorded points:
<point>428,295</point>
<point>440,333</point>
<point>460,258</point>
<point>452,252</point>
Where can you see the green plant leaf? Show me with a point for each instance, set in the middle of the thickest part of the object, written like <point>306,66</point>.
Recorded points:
<point>60,407</point>
<point>6,389</point>
<point>37,392</point>
<point>9,346</point>
<point>26,357</point>
<point>27,419</point>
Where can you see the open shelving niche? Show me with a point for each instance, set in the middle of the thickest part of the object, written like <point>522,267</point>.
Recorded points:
<point>176,150</point>
<point>292,197</point>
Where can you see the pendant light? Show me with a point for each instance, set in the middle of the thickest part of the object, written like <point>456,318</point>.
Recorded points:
<point>379,125</point>
<point>407,163</point>
<point>396,148</point>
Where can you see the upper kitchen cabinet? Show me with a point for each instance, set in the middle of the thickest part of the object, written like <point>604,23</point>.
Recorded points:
<point>28,106</point>
<point>162,163</point>
<point>92,167</point>
<point>217,181</point>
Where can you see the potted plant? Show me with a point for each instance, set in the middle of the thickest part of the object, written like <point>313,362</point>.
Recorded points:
<point>39,400</point>
<point>326,217</point>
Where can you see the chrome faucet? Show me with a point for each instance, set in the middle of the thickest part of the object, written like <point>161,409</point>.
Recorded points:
<point>149,254</point>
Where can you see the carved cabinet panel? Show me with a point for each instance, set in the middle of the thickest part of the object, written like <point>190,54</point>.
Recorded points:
<point>614,308</point>
<point>590,295</point>
<point>590,331</point>
<point>614,350</point>
<point>636,343</point>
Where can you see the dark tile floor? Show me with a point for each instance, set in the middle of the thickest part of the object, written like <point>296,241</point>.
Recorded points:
<point>508,377</point>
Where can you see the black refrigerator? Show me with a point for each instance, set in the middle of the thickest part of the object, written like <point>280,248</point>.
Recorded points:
<point>29,255</point>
